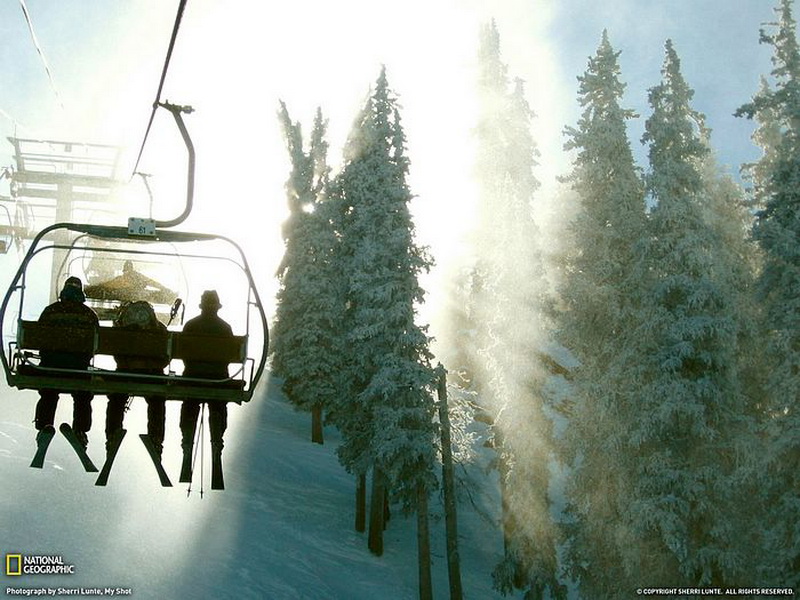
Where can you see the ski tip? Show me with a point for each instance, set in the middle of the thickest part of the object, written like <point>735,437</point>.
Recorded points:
<point>155,456</point>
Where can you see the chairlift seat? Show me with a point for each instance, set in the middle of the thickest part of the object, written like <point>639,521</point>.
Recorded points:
<point>114,341</point>
<point>36,336</point>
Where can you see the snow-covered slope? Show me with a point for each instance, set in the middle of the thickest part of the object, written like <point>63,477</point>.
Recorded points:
<point>283,528</point>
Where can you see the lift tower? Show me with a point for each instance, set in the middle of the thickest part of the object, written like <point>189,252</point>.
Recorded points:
<point>65,182</point>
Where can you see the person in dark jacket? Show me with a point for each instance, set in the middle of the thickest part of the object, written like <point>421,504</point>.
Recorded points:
<point>68,311</point>
<point>140,316</point>
<point>206,323</point>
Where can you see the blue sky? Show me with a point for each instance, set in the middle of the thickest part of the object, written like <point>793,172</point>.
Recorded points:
<point>717,41</point>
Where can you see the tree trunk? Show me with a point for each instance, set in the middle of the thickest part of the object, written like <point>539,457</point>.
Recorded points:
<point>316,424</point>
<point>509,520</point>
<point>423,546</point>
<point>503,471</point>
<point>376,508</point>
<point>449,490</point>
<point>387,512</point>
<point>361,503</point>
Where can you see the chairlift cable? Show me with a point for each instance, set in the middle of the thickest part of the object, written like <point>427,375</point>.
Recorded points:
<point>156,102</point>
<point>41,53</point>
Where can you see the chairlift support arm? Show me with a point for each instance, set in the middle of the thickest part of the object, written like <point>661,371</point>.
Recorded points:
<point>177,111</point>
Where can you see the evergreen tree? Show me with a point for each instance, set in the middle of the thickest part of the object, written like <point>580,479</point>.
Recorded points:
<point>307,337</point>
<point>507,291</point>
<point>736,260</point>
<point>387,415</point>
<point>767,137</point>
<point>611,215</point>
<point>601,284</point>
<point>686,402</point>
<point>776,230</point>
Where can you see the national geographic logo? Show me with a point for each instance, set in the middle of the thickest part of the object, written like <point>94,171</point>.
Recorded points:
<point>37,564</point>
<point>13,564</point>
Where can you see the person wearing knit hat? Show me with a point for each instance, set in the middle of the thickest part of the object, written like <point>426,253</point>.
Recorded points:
<point>139,316</point>
<point>69,311</point>
<point>73,290</point>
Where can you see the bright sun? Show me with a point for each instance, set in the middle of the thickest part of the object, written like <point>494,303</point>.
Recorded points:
<point>277,53</point>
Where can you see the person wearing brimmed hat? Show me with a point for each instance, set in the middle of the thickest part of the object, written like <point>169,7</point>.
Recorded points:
<point>68,311</point>
<point>206,323</point>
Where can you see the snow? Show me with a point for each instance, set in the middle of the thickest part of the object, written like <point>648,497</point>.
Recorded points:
<point>282,528</point>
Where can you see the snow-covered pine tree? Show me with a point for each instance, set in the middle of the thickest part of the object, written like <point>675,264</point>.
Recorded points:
<point>299,182</point>
<point>777,231</point>
<point>387,415</point>
<point>767,137</point>
<point>600,286</point>
<point>735,260</point>
<point>611,215</point>
<point>307,344</point>
<point>507,310</point>
<point>685,407</point>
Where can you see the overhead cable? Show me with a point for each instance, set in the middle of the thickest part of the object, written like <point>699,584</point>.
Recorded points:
<point>156,102</point>
<point>41,54</point>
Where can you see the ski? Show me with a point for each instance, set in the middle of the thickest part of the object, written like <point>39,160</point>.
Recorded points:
<point>43,439</point>
<point>68,433</point>
<point>155,456</point>
<point>217,481</point>
<point>112,447</point>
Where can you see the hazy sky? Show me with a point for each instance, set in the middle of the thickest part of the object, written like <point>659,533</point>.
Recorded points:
<point>235,59</point>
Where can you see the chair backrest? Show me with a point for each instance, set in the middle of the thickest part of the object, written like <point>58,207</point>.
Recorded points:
<point>115,341</point>
<point>209,348</point>
<point>33,335</point>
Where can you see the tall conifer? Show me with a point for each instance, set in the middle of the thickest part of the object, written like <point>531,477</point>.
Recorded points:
<point>507,297</point>
<point>686,403</point>
<point>777,231</point>
<point>386,416</point>
<point>306,348</point>
<point>599,295</point>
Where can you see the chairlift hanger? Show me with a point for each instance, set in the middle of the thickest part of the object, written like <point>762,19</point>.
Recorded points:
<point>18,357</point>
<point>6,229</point>
<point>17,226</point>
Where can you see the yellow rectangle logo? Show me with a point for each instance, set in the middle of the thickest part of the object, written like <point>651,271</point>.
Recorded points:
<point>11,559</point>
